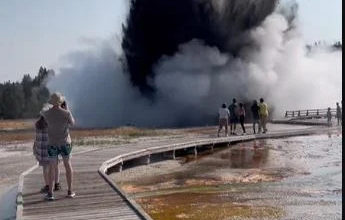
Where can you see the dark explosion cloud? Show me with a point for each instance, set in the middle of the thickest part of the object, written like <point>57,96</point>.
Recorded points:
<point>157,27</point>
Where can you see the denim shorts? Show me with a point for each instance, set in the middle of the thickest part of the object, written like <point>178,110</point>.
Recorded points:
<point>63,150</point>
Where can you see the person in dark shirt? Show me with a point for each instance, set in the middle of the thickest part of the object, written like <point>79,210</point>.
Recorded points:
<point>242,115</point>
<point>255,114</point>
<point>233,109</point>
<point>329,117</point>
<point>339,114</point>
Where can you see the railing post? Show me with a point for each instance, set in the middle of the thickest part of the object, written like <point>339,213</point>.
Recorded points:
<point>307,112</point>
<point>317,112</point>
<point>286,114</point>
<point>148,159</point>
<point>120,167</point>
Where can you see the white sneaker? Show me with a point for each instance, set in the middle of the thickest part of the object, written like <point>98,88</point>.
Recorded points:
<point>70,194</point>
<point>49,197</point>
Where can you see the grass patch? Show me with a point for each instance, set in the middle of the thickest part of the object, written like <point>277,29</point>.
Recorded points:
<point>16,136</point>
<point>125,132</point>
<point>20,124</point>
<point>23,130</point>
<point>98,142</point>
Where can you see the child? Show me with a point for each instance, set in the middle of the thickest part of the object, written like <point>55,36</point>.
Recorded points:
<point>329,117</point>
<point>242,114</point>
<point>41,153</point>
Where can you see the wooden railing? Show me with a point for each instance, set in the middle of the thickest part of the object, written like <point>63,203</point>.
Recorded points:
<point>309,113</point>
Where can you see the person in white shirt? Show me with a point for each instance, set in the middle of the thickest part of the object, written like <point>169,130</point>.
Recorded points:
<point>223,119</point>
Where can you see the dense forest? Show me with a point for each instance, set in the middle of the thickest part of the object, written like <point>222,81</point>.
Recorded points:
<point>24,99</point>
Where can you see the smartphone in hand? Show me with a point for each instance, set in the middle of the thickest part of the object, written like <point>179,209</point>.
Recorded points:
<point>64,105</point>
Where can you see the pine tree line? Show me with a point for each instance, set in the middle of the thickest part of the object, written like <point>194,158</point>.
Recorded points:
<point>24,99</point>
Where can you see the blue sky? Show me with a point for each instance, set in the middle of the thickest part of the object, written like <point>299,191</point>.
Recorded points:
<point>40,32</point>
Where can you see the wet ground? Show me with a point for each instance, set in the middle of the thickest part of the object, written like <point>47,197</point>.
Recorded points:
<point>291,178</point>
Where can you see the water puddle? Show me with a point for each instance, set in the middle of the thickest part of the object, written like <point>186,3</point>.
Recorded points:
<point>8,203</point>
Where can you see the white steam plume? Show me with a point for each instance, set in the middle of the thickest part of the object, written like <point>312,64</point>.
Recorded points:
<point>193,83</point>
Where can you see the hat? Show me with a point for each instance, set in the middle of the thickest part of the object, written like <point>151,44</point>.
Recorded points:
<point>56,99</point>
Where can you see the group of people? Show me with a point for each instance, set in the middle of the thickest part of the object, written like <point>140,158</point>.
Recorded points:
<point>338,115</point>
<point>235,113</point>
<point>53,139</point>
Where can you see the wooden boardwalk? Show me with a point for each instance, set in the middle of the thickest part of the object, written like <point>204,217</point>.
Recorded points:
<point>99,198</point>
<point>309,113</point>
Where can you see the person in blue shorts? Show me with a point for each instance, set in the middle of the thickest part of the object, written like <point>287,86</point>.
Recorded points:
<point>59,119</point>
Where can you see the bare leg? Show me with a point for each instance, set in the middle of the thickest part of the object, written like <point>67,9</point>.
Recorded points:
<point>46,174</point>
<point>69,172</point>
<point>226,129</point>
<point>219,129</point>
<point>260,124</point>
<point>52,168</point>
<point>242,124</point>
<point>264,124</point>
<point>57,174</point>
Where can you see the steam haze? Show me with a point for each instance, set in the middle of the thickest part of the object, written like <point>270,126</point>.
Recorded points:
<point>187,85</point>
